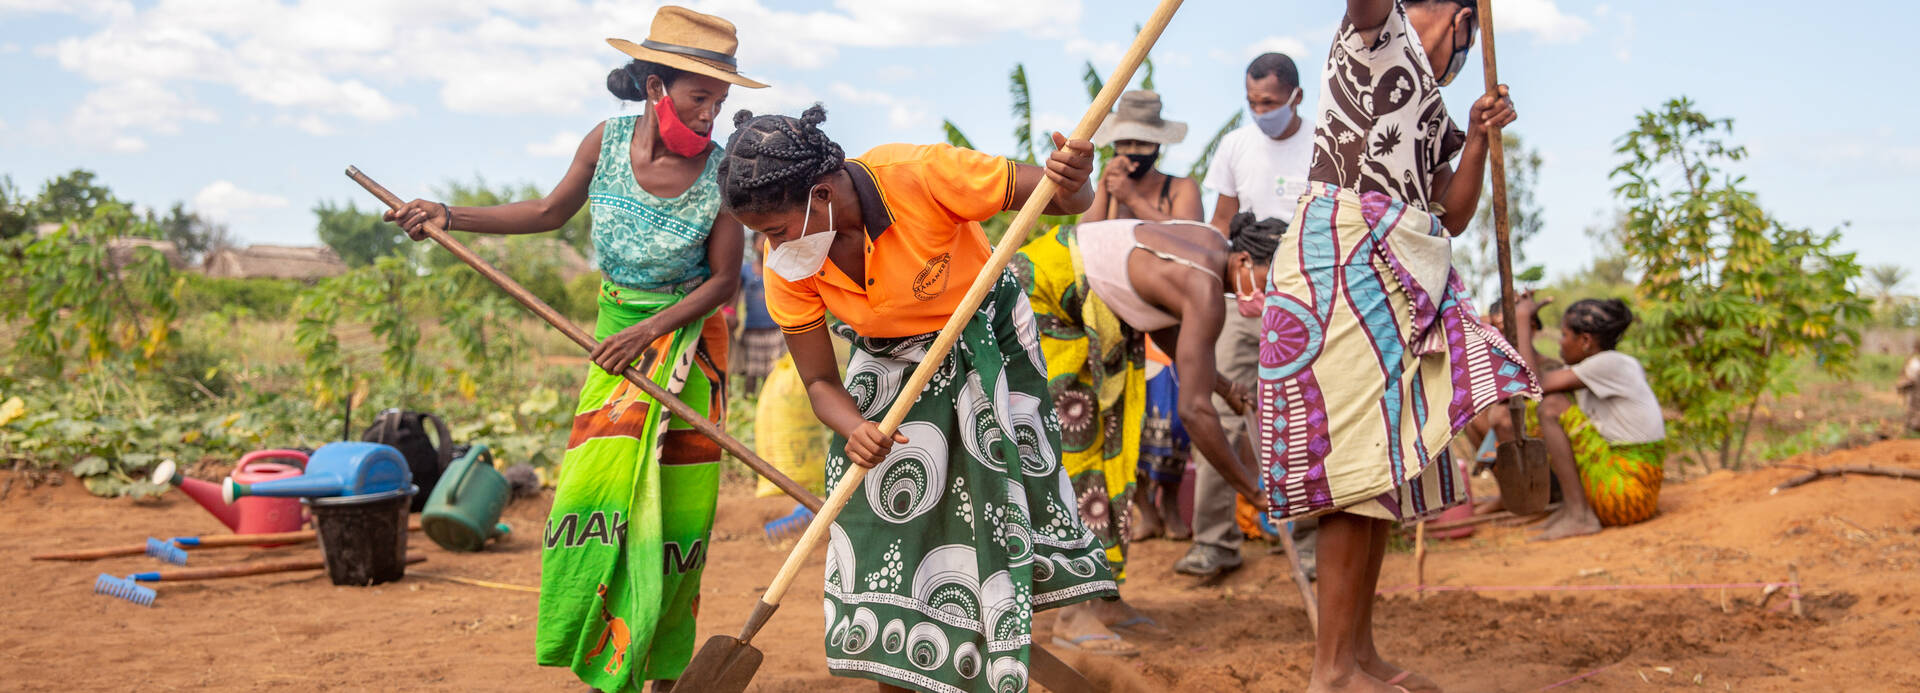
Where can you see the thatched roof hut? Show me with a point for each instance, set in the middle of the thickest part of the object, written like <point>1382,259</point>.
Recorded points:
<point>275,262</point>
<point>121,251</point>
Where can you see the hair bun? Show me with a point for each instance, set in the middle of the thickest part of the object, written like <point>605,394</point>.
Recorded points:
<point>814,115</point>
<point>1239,223</point>
<point>741,117</point>
<point>624,86</point>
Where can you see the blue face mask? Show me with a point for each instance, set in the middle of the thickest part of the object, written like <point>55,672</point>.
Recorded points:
<point>1274,123</point>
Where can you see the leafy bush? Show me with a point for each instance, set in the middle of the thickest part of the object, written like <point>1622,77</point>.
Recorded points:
<point>271,299</point>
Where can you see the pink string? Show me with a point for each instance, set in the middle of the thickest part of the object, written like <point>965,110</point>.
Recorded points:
<point>1580,677</point>
<point>1795,587</point>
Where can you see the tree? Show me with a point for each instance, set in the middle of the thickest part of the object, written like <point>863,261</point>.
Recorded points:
<point>16,212</point>
<point>71,197</point>
<point>357,237</point>
<point>1886,279</point>
<point>1478,259</point>
<point>193,234</point>
<point>1729,297</point>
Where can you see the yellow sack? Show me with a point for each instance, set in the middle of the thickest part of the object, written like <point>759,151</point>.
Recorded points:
<point>785,432</point>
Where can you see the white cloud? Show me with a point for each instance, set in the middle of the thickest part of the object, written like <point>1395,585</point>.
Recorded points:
<point>901,114</point>
<point>1286,45</point>
<point>561,145</point>
<point>362,60</point>
<point>1102,53</point>
<point>115,118</point>
<point>222,201</point>
<point>895,73</point>
<point>1542,19</point>
<point>310,124</point>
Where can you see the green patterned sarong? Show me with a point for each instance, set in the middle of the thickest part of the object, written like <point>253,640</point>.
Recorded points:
<point>935,570</point>
<point>627,537</point>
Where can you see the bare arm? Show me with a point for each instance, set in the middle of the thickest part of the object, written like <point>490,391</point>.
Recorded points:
<point>724,244</point>
<point>1556,380</point>
<point>1191,346</point>
<point>813,358</point>
<point>1459,190</point>
<point>1101,203</point>
<point>526,216</point>
<point>1368,15</point>
<point>1224,207</point>
<point>1069,167</point>
<point>1186,200</point>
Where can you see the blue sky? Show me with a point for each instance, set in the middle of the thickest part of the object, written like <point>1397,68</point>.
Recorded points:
<point>249,109</point>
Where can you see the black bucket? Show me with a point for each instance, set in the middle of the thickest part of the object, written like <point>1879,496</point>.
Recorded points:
<point>364,538</point>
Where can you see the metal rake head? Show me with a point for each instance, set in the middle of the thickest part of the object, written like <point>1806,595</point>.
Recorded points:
<point>166,551</point>
<point>124,588</point>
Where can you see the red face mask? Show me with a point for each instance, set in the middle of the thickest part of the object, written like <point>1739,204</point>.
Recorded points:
<point>679,138</point>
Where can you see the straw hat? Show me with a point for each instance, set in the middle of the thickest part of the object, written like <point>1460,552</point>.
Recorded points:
<point>687,40</point>
<point>1137,117</point>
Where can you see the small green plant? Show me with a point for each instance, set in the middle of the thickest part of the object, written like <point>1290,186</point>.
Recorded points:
<point>75,301</point>
<point>1728,296</point>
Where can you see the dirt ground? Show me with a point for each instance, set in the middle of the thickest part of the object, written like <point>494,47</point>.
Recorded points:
<point>1855,542</point>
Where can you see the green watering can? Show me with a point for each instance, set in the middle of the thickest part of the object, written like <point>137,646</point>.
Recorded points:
<point>464,510</point>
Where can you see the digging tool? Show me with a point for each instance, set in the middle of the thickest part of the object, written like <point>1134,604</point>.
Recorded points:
<point>581,337</point>
<point>212,541</point>
<point>130,589</point>
<point>1520,465</point>
<point>726,664</point>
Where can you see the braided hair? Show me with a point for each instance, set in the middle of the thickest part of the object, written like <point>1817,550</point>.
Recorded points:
<point>1254,236</point>
<point>773,160</point>
<point>1605,319</point>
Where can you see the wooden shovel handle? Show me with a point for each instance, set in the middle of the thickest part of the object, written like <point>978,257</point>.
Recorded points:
<point>1502,228</point>
<point>969,304</point>
<point>586,341</point>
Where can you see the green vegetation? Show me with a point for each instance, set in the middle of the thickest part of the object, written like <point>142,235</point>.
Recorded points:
<point>1728,296</point>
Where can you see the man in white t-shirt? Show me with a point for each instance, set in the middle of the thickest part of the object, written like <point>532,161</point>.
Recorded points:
<point>1260,169</point>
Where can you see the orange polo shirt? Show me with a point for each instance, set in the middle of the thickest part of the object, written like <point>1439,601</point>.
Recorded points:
<point>922,206</point>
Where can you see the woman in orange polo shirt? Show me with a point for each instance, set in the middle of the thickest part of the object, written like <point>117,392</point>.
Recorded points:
<point>967,524</point>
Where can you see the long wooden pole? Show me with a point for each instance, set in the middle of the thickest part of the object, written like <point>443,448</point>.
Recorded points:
<point>579,336</point>
<point>1502,229</point>
<point>969,304</point>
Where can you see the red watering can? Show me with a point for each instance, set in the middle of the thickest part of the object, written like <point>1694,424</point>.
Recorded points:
<point>253,514</point>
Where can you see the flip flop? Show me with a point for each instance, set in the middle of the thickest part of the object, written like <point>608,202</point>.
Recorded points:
<point>1142,624</point>
<point>1075,645</point>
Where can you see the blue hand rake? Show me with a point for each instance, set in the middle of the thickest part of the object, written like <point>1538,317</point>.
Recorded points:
<point>794,523</point>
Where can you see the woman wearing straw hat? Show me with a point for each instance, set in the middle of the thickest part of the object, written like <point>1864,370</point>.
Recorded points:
<point>626,540</point>
<point>1131,188</point>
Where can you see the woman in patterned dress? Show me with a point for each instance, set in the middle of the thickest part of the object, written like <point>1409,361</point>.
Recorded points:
<point>967,523</point>
<point>1371,360</point>
<point>620,573</point>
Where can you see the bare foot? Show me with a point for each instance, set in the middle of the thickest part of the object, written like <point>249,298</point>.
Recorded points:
<point>1119,614</point>
<point>1078,628</point>
<point>1146,523</point>
<point>1357,682</point>
<point>1177,530</point>
<point>1568,526</point>
<point>1395,676</point>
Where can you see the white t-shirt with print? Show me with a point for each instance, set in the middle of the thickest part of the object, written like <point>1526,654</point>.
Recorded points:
<point>1266,175</point>
<point>1618,399</point>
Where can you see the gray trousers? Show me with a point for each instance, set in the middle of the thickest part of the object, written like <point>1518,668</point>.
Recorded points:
<point>1236,356</point>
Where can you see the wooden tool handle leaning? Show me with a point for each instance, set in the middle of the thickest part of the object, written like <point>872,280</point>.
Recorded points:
<point>989,275</point>
<point>587,342</point>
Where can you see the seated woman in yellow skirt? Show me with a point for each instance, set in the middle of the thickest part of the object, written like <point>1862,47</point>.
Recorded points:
<point>1609,436</point>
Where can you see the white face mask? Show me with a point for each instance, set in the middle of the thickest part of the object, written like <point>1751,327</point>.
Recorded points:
<point>801,257</point>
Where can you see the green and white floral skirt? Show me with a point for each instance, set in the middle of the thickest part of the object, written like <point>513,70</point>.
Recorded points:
<point>935,570</point>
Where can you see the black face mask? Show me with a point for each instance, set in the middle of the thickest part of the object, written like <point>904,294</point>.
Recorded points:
<point>1142,163</point>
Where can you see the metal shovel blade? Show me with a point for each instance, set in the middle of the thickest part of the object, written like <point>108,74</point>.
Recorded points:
<point>725,664</point>
<point>1525,481</point>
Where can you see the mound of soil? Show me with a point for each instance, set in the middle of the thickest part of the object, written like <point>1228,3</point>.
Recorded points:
<point>1855,543</point>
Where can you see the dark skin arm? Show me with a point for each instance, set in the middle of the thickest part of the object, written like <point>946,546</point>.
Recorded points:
<point>1368,15</point>
<point>1116,191</point>
<point>813,359</point>
<point>725,243</point>
<point>526,216</point>
<point>1556,380</point>
<point>1191,345</point>
<point>1458,191</point>
<point>1224,207</point>
<point>1069,166</point>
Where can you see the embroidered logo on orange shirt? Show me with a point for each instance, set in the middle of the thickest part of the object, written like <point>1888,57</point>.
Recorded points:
<point>932,280</point>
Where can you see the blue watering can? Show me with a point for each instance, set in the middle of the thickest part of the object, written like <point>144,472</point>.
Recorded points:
<point>336,469</point>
